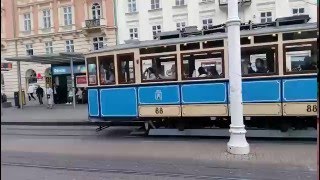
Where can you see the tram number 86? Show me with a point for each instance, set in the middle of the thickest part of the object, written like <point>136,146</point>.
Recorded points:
<point>312,108</point>
<point>159,110</point>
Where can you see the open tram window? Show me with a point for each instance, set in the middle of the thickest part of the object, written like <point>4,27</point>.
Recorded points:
<point>202,65</point>
<point>126,68</point>
<point>92,71</point>
<point>300,57</point>
<point>159,68</point>
<point>106,69</point>
<point>259,60</point>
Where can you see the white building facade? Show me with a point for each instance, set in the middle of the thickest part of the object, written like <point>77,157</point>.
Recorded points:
<point>141,19</point>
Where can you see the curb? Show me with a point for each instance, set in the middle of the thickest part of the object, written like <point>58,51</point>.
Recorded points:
<point>52,123</point>
<point>75,123</point>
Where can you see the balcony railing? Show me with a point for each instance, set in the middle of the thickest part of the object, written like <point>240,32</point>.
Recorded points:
<point>240,2</point>
<point>92,23</point>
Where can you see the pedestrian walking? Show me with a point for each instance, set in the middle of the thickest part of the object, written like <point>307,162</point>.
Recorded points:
<point>70,96</point>
<point>39,93</point>
<point>50,97</point>
<point>30,93</point>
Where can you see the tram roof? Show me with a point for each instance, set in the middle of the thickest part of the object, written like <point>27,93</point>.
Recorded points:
<point>59,58</point>
<point>152,43</point>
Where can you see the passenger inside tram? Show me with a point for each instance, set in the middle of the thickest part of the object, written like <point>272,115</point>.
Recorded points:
<point>212,71</point>
<point>106,73</point>
<point>260,67</point>
<point>149,74</point>
<point>309,64</point>
<point>202,72</point>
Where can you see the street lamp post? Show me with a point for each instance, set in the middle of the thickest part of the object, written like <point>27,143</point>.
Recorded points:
<point>237,143</point>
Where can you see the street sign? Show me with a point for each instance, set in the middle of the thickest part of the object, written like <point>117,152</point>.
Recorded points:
<point>6,66</point>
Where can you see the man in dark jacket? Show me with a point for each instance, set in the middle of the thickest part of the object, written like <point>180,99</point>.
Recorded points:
<point>39,93</point>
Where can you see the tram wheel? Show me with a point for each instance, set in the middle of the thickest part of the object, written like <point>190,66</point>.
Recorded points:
<point>284,127</point>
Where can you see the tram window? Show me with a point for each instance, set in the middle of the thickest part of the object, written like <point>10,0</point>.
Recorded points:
<point>300,58</point>
<point>126,68</point>
<point>106,69</point>
<point>245,40</point>
<point>159,68</point>
<point>92,71</point>
<point>189,46</point>
<point>213,44</point>
<point>257,61</point>
<point>202,65</point>
<point>266,38</point>
<point>300,35</point>
<point>160,49</point>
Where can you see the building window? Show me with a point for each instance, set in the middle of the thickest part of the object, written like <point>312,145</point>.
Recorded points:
<point>179,2</point>
<point>266,17</point>
<point>98,43</point>
<point>29,49</point>
<point>207,23</point>
<point>133,33</point>
<point>67,14</point>
<point>96,11</point>
<point>69,46</point>
<point>46,18</point>
<point>132,6</point>
<point>297,11</point>
<point>156,29</point>
<point>155,4</point>
<point>49,48</point>
<point>27,22</point>
<point>181,26</point>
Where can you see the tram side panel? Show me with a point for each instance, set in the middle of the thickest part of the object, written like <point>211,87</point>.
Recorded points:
<point>113,103</point>
<point>93,103</point>
<point>159,101</point>
<point>204,99</point>
<point>262,97</point>
<point>299,96</point>
<point>118,102</point>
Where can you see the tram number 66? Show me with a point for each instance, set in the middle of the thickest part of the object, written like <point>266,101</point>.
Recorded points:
<point>159,110</point>
<point>312,108</point>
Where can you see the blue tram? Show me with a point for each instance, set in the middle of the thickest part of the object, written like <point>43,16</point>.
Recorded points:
<point>182,83</point>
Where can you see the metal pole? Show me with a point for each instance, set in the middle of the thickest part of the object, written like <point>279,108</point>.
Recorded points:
<point>237,143</point>
<point>73,88</point>
<point>16,52</point>
<point>19,84</point>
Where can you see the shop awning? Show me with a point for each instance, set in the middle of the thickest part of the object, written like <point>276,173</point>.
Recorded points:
<point>60,58</point>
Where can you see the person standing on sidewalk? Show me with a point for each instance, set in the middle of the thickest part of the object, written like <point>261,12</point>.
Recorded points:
<point>39,93</point>
<point>30,93</point>
<point>50,97</point>
<point>55,93</point>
